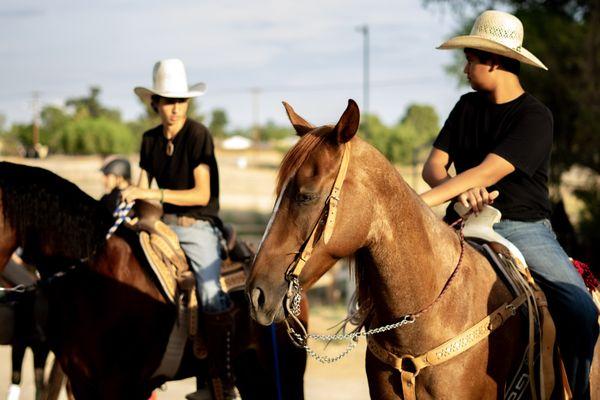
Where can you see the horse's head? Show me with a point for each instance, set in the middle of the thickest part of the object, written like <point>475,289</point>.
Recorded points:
<point>315,219</point>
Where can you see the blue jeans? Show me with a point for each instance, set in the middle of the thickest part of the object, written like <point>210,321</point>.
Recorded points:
<point>569,302</point>
<point>200,243</point>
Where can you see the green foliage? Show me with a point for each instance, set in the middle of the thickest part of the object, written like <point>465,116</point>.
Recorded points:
<point>97,135</point>
<point>565,35</point>
<point>89,106</point>
<point>404,142</point>
<point>218,122</point>
<point>84,127</point>
<point>270,131</point>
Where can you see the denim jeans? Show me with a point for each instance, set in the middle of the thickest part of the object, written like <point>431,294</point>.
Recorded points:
<point>200,242</point>
<point>569,302</point>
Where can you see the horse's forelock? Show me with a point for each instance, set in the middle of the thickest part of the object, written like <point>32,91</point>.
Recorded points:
<point>298,154</point>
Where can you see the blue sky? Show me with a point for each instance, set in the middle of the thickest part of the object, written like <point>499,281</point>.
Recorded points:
<point>305,52</point>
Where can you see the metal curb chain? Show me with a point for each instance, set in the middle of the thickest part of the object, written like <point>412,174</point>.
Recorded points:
<point>351,337</point>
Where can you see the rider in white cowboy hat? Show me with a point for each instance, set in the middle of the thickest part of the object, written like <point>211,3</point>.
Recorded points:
<point>179,155</point>
<point>499,139</point>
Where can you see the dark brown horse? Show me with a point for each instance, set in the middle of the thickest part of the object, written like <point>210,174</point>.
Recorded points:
<point>108,322</point>
<point>409,263</point>
<point>21,327</point>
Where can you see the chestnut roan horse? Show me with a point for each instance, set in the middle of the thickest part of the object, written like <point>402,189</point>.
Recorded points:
<point>108,324</point>
<point>409,263</point>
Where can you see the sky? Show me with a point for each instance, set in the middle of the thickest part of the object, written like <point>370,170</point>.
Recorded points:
<point>308,53</point>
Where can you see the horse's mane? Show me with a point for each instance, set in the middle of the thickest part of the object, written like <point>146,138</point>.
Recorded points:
<point>44,208</point>
<point>298,154</point>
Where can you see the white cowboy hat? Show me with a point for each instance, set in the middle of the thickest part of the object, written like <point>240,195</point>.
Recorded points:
<point>170,80</point>
<point>499,33</point>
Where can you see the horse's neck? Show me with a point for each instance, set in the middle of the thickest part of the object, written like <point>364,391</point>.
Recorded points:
<point>411,253</point>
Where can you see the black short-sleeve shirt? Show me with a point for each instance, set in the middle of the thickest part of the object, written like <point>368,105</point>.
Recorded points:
<point>519,131</point>
<point>193,145</point>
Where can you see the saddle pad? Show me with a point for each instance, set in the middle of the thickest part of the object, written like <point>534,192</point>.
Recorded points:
<point>154,248</point>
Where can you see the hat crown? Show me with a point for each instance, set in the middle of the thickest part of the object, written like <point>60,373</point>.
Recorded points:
<point>499,27</point>
<point>169,76</point>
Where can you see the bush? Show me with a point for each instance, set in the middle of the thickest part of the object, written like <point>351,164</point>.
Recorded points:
<point>97,136</point>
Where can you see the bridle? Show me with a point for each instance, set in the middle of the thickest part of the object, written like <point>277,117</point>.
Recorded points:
<point>292,299</point>
<point>327,217</point>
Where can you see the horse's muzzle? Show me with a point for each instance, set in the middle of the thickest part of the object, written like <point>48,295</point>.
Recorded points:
<point>263,311</point>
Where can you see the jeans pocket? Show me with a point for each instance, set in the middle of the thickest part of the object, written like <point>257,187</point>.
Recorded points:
<point>546,222</point>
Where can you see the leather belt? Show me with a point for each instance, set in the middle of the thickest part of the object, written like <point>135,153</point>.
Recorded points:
<point>179,220</point>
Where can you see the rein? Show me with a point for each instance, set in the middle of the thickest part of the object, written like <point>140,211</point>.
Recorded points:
<point>120,213</point>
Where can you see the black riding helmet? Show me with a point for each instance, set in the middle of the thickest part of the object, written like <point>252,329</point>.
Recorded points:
<point>117,167</point>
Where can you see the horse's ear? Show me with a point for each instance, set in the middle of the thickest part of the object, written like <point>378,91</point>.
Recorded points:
<point>301,126</point>
<point>347,126</point>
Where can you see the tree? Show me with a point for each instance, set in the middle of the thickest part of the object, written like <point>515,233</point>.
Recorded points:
<point>425,121</point>
<point>89,106</point>
<point>271,131</point>
<point>403,142</point>
<point>218,122</point>
<point>565,35</point>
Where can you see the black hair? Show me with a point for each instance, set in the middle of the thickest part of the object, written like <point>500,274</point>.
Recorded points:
<point>155,98</point>
<point>154,101</point>
<point>507,64</point>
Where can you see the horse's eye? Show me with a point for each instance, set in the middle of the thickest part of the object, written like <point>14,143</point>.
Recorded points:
<point>306,198</point>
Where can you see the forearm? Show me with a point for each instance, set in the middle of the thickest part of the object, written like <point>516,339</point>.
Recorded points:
<point>435,176</point>
<point>452,187</point>
<point>190,197</point>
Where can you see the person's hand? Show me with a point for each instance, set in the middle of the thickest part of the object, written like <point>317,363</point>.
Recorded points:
<point>133,193</point>
<point>476,198</point>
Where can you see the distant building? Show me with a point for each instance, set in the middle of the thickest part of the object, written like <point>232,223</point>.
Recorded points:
<point>236,143</point>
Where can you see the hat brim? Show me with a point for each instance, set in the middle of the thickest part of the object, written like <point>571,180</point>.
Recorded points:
<point>480,43</point>
<point>145,94</point>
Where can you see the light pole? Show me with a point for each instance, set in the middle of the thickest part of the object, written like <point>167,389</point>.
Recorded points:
<point>364,29</point>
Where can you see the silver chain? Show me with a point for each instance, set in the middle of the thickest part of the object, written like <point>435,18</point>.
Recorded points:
<point>351,337</point>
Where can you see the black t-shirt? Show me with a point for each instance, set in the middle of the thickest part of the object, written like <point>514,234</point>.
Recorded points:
<point>519,131</point>
<point>193,145</point>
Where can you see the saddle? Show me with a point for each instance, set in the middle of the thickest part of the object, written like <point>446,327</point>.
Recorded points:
<point>176,281</point>
<point>169,263</point>
<point>511,266</point>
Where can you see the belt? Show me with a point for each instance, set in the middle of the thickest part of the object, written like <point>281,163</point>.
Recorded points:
<point>179,220</point>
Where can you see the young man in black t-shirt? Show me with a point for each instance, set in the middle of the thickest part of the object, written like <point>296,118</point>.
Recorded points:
<point>179,155</point>
<point>499,139</point>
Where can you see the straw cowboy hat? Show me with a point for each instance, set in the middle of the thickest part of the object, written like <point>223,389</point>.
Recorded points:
<point>170,80</point>
<point>499,33</point>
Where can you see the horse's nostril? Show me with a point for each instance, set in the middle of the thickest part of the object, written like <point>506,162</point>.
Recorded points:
<point>258,298</point>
